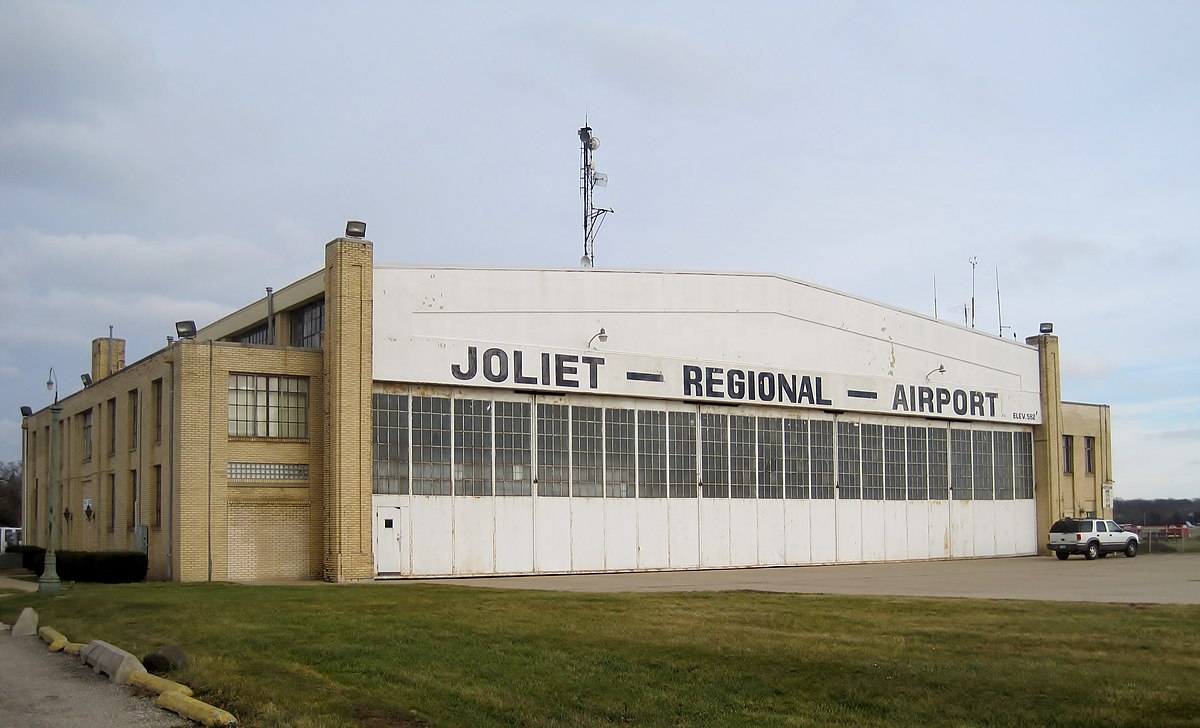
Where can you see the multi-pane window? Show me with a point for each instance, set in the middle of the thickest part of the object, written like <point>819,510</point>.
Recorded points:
<point>133,419</point>
<point>820,452</point>
<point>982,451</point>
<point>307,324</point>
<point>1068,454</point>
<point>112,502</point>
<point>849,467</point>
<point>268,406</point>
<point>795,458</point>
<point>553,450</point>
<point>939,464</point>
<point>960,464</point>
<point>872,462</point>
<point>681,475</point>
<point>741,456</point>
<point>389,444</point>
<point>112,425</point>
<point>256,335</point>
<point>431,446</point>
<point>1023,464</point>
<point>156,390</point>
<point>918,463</point>
<point>620,475</point>
<point>652,454</point>
<point>472,447</point>
<point>895,461</point>
<point>1089,455</point>
<point>133,499</point>
<point>714,456</point>
<point>587,452</point>
<point>86,432</point>
<point>157,496</point>
<point>770,457</point>
<point>1002,451</point>
<point>513,473</point>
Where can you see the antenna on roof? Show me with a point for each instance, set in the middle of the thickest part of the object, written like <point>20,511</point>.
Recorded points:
<point>999,315</point>
<point>589,179</point>
<point>974,262</point>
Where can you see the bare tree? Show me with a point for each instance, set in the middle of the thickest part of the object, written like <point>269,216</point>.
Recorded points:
<point>10,494</point>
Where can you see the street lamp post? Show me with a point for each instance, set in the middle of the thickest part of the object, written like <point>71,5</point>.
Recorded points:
<point>49,583</point>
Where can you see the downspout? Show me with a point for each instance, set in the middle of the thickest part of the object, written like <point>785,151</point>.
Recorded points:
<point>171,464</point>
<point>210,456</point>
<point>270,316</point>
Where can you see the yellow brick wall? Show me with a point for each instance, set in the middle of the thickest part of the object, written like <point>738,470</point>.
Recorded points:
<point>270,540</point>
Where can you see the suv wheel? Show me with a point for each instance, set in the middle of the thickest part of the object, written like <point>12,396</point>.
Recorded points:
<point>1062,555</point>
<point>1130,548</point>
<point>1093,550</point>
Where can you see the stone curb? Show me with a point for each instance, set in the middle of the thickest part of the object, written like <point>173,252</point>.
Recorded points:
<point>172,696</point>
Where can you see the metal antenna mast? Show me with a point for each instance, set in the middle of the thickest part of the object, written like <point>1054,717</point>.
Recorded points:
<point>589,179</point>
<point>974,262</point>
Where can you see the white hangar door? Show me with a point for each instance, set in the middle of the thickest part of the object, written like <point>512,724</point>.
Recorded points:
<point>391,540</point>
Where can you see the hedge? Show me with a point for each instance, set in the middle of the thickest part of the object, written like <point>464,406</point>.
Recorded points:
<point>105,567</point>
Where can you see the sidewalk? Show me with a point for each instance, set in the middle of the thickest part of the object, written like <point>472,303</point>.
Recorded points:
<point>9,580</point>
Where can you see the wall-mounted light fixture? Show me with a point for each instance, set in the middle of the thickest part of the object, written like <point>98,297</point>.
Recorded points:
<point>185,329</point>
<point>89,512</point>
<point>356,229</point>
<point>940,370</point>
<point>67,515</point>
<point>1046,328</point>
<point>26,411</point>
<point>86,379</point>
<point>601,335</point>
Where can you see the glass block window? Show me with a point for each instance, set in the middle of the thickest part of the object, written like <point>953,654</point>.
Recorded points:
<point>1023,464</point>
<point>960,465</point>
<point>1002,455</point>
<point>848,455</point>
<point>268,406</point>
<point>553,450</point>
<point>918,459</point>
<point>587,452</point>
<point>895,463</point>
<point>620,472</point>
<point>681,475</point>
<point>513,445</point>
<point>652,454</point>
<point>820,454</point>
<point>431,446</point>
<point>389,444</point>
<point>795,458</point>
<point>741,457</point>
<point>872,462</point>
<point>939,464</point>
<point>770,457</point>
<point>268,471</point>
<point>307,324</point>
<point>981,441</point>
<point>714,456</point>
<point>472,447</point>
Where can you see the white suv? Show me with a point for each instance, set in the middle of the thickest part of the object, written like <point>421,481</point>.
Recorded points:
<point>1091,537</point>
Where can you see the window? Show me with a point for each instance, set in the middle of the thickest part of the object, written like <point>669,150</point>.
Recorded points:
<point>307,324</point>
<point>472,447</point>
<point>795,458</point>
<point>1089,455</point>
<point>112,502</point>
<point>681,475</point>
<point>714,456</point>
<point>430,446</point>
<point>652,454</point>
<point>820,441</point>
<point>741,456</point>
<point>133,420</point>
<point>894,463</point>
<point>513,474</point>
<point>156,390</point>
<point>256,335</point>
<point>112,426</point>
<point>268,406</point>
<point>1023,464</point>
<point>553,440</point>
<point>86,432</point>
<point>872,461</point>
<point>389,444</point>
<point>1068,454</point>
<point>960,465</point>
<point>981,442</point>
<point>133,499</point>
<point>939,464</point>
<point>849,469</point>
<point>770,457</point>
<point>1002,450</point>
<point>587,452</point>
<point>918,463</point>
<point>157,496</point>
<point>620,475</point>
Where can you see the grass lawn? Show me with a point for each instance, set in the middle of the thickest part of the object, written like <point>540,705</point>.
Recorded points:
<point>409,654</point>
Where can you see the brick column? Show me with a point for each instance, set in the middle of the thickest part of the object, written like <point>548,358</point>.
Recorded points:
<point>1047,439</point>
<point>346,342</point>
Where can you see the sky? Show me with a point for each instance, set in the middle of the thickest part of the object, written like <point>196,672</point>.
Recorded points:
<point>167,161</point>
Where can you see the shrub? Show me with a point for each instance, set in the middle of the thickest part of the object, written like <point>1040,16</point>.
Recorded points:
<point>104,567</point>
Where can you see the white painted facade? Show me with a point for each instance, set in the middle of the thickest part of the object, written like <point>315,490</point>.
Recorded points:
<point>758,347</point>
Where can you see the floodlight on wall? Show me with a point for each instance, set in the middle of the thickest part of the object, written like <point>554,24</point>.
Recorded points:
<point>601,335</point>
<point>1046,328</point>
<point>356,229</point>
<point>185,329</point>
<point>26,411</point>
<point>86,379</point>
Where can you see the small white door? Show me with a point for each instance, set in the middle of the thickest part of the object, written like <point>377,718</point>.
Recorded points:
<point>391,540</point>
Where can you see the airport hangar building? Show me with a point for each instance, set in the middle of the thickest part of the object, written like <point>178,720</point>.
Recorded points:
<point>375,421</point>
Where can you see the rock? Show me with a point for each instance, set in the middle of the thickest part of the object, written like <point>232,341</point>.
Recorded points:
<point>27,624</point>
<point>167,658</point>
